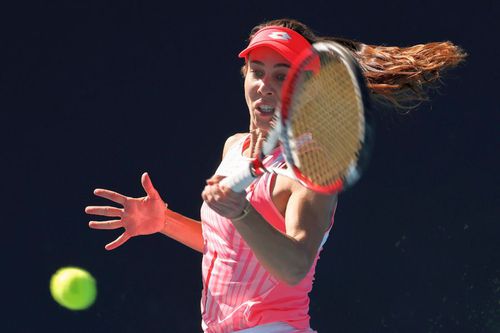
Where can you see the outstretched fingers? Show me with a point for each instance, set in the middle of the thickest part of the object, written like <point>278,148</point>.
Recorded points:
<point>104,211</point>
<point>118,242</point>
<point>110,195</point>
<point>106,225</point>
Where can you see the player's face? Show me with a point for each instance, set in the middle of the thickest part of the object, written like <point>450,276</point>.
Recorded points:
<point>265,74</point>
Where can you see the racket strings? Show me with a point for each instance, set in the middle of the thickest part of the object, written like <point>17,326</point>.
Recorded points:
<point>327,124</point>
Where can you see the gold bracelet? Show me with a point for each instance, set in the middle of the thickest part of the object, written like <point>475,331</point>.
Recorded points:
<point>244,213</point>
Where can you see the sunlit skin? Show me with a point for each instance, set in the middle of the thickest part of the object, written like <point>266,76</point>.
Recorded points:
<point>307,214</point>
<point>266,72</point>
<point>142,216</point>
<point>287,256</point>
<point>139,216</point>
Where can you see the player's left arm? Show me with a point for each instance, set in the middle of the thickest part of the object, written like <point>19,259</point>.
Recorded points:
<point>307,218</point>
<point>290,255</point>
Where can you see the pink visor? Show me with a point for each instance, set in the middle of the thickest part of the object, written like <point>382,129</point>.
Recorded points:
<point>285,41</point>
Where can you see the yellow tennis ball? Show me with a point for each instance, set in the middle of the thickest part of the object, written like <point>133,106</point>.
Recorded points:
<point>73,288</point>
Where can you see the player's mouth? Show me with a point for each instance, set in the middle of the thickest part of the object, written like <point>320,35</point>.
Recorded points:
<point>266,109</point>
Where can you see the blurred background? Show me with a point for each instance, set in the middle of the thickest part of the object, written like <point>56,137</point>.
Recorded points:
<point>94,93</point>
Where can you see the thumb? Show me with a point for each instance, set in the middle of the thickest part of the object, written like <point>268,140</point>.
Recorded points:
<point>148,186</point>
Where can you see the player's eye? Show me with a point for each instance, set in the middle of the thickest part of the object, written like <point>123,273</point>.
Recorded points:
<point>281,77</point>
<point>257,73</point>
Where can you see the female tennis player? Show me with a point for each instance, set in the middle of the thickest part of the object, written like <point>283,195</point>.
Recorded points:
<point>260,247</point>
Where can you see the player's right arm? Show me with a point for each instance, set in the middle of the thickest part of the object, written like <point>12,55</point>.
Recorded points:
<point>148,215</point>
<point>183,229</point>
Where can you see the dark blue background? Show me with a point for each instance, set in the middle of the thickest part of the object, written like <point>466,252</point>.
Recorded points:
<point>92,94</point>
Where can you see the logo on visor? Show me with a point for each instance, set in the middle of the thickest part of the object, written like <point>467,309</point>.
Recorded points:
<point>280,35</point>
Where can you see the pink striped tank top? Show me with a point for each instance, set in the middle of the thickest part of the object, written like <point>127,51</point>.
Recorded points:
<point>238,293</point>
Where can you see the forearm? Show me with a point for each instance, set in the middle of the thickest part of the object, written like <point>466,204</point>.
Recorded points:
<point>183,229</point>
<point>282,255</point>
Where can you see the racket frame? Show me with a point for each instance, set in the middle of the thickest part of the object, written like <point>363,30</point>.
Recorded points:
<point>282,130</point>
<point>307,58</point>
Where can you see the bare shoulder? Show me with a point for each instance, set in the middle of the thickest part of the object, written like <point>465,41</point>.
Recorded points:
<point>231,141</point>
<point>321,199</point>
<point>288,191</point>
<point>293,187</point>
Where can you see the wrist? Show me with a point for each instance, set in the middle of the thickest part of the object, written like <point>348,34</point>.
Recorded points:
<point>166,217</point>
<point>244,213</point>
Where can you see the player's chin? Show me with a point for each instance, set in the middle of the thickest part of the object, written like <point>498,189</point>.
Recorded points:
<point>264,124</point>
<point>264,119</point>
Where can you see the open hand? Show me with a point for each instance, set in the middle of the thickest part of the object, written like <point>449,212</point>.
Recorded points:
<point>139,216</point>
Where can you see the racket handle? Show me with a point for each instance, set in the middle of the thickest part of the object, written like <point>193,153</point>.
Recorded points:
<point>239,181</point>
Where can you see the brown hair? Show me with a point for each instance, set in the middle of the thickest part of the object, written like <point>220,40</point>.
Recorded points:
<point>396,76</point>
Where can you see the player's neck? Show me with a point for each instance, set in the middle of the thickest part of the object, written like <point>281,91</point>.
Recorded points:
<point>257,137</point>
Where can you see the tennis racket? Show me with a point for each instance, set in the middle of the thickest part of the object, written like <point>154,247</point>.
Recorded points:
<point>323,124</point>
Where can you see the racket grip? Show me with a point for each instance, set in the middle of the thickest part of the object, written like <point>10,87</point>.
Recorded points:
<point>239,181</point>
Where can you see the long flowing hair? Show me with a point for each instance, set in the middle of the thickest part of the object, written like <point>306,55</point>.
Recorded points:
<point>400,77</point>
